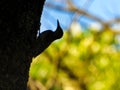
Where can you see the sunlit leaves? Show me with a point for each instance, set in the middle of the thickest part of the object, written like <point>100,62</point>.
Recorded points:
<point>42,69</point>
<point>85,61</point>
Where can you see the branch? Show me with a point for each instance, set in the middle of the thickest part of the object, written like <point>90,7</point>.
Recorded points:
<point>73,9</point>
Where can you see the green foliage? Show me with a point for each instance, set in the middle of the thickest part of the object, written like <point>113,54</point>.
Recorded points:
<point>86,61</point>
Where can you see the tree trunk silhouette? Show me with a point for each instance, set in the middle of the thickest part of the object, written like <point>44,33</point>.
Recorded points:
<point>19,22</point>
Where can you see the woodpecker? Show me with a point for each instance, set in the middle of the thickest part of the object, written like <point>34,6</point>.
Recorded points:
<point>46,38</point>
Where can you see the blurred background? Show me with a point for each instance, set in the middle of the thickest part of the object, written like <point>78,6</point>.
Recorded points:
<point>87,57</point>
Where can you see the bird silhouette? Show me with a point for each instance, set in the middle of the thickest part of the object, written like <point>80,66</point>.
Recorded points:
<point>46,38</point>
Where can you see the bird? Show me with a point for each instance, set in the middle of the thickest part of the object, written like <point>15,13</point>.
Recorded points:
<point>46,38</point>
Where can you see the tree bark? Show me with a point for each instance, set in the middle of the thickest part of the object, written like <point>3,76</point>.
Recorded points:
<point>19,22</point>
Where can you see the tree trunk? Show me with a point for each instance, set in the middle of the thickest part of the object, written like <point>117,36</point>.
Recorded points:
<point>19,22</point>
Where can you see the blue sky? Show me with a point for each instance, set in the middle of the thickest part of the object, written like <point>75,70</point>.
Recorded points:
<point>104,9</point>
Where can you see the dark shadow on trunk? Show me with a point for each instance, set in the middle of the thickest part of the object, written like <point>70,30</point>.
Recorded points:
<point>19,22</point>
